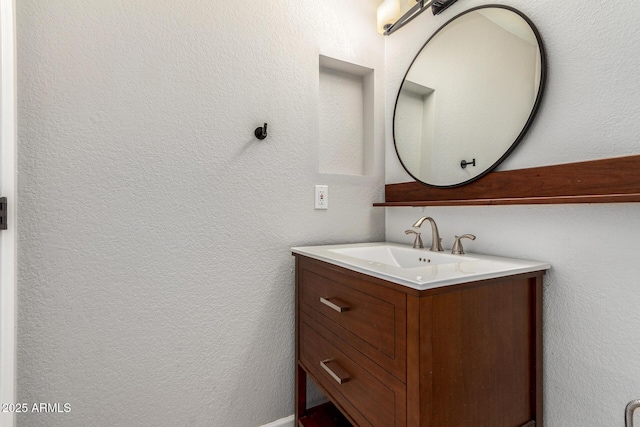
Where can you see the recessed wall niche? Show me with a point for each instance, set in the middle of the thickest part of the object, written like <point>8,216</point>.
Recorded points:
<point>346,118</point>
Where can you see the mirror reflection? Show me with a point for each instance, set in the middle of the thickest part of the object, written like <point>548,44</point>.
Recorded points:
<point>469,96</point>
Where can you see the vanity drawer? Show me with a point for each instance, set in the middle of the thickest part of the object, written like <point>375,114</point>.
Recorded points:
<point>370,395</point>
<point>370,317</point>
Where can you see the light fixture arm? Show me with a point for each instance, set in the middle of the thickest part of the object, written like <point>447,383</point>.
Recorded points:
<point>437,7</point>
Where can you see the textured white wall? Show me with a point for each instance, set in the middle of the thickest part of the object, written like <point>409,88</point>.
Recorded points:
<point>156,282</point>
<point>590,111</point>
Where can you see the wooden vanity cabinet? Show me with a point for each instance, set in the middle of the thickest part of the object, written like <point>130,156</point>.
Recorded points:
<point>387,355</point>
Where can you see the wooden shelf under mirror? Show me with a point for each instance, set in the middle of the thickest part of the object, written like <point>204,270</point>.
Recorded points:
<point>613,180</point>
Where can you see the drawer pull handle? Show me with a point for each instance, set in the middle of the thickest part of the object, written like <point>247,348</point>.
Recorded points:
<point>337,373</point>
<point>336,304</point>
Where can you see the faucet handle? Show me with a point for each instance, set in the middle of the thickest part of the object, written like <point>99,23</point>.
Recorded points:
<point>457,245</point>
<point>417,242</point>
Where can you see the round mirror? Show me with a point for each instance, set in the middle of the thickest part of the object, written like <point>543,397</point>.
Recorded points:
<point>469,96</point>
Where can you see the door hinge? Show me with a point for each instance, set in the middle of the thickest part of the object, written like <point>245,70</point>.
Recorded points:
<point>531,423</point>
<point>3,213</point>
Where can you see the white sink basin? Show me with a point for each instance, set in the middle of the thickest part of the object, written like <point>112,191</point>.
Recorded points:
<point>404,257</point>
<point>418,268</point>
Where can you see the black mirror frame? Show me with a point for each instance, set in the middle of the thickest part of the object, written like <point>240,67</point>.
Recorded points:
<point>534,110</point>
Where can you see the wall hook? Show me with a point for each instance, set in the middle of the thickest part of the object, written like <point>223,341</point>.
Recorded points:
<point>261,132</point>
<point>464,163</point>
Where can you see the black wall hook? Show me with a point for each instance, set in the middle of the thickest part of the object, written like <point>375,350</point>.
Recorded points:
<point>261,132</point>
<point>464,163</point>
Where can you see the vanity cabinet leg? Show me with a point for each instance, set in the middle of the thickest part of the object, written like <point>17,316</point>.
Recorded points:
<point>301,393</point>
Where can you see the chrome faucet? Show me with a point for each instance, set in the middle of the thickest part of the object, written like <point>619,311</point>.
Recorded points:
<point>436,241</point>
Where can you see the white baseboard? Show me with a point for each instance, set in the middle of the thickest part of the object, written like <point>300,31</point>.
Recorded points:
<point>283,422</point>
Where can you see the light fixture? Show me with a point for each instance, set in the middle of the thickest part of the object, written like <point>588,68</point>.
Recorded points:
<point>388,13</point>
<point>390,9</point>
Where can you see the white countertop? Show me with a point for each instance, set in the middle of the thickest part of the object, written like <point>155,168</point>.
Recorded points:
<point>433,270</point>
